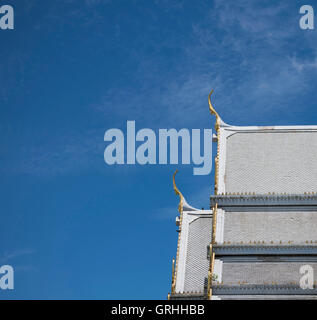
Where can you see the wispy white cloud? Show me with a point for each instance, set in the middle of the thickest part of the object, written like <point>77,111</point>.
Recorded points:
<point>251,51</point>
<point>242,49</point>
<point>71,153</point>
<point>300,65</point>
<point>9,256</point>
<point>247,51</point>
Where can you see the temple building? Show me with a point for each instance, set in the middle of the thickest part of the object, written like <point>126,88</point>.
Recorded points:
<point>259,238</point>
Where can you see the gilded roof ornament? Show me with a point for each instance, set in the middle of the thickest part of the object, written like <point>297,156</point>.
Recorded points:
<point>181,197</point>
<point>214,112</point>
<point>217,128</point>
<point>183,205</point>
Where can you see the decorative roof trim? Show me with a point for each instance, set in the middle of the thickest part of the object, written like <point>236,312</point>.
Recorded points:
<point>188,296</point>
<point>266,289</point>
<point>248,198</point>
<point>291,128</point>
<point>217,128</point>
<point>182,206</point>
<point>189,292</point>
<point>262,249</point>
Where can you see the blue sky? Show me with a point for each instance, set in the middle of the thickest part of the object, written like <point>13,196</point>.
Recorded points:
<point>74,227</point>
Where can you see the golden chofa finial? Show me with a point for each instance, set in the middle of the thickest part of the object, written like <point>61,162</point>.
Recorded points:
<point>181,198</point>
<point>214,112</point>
